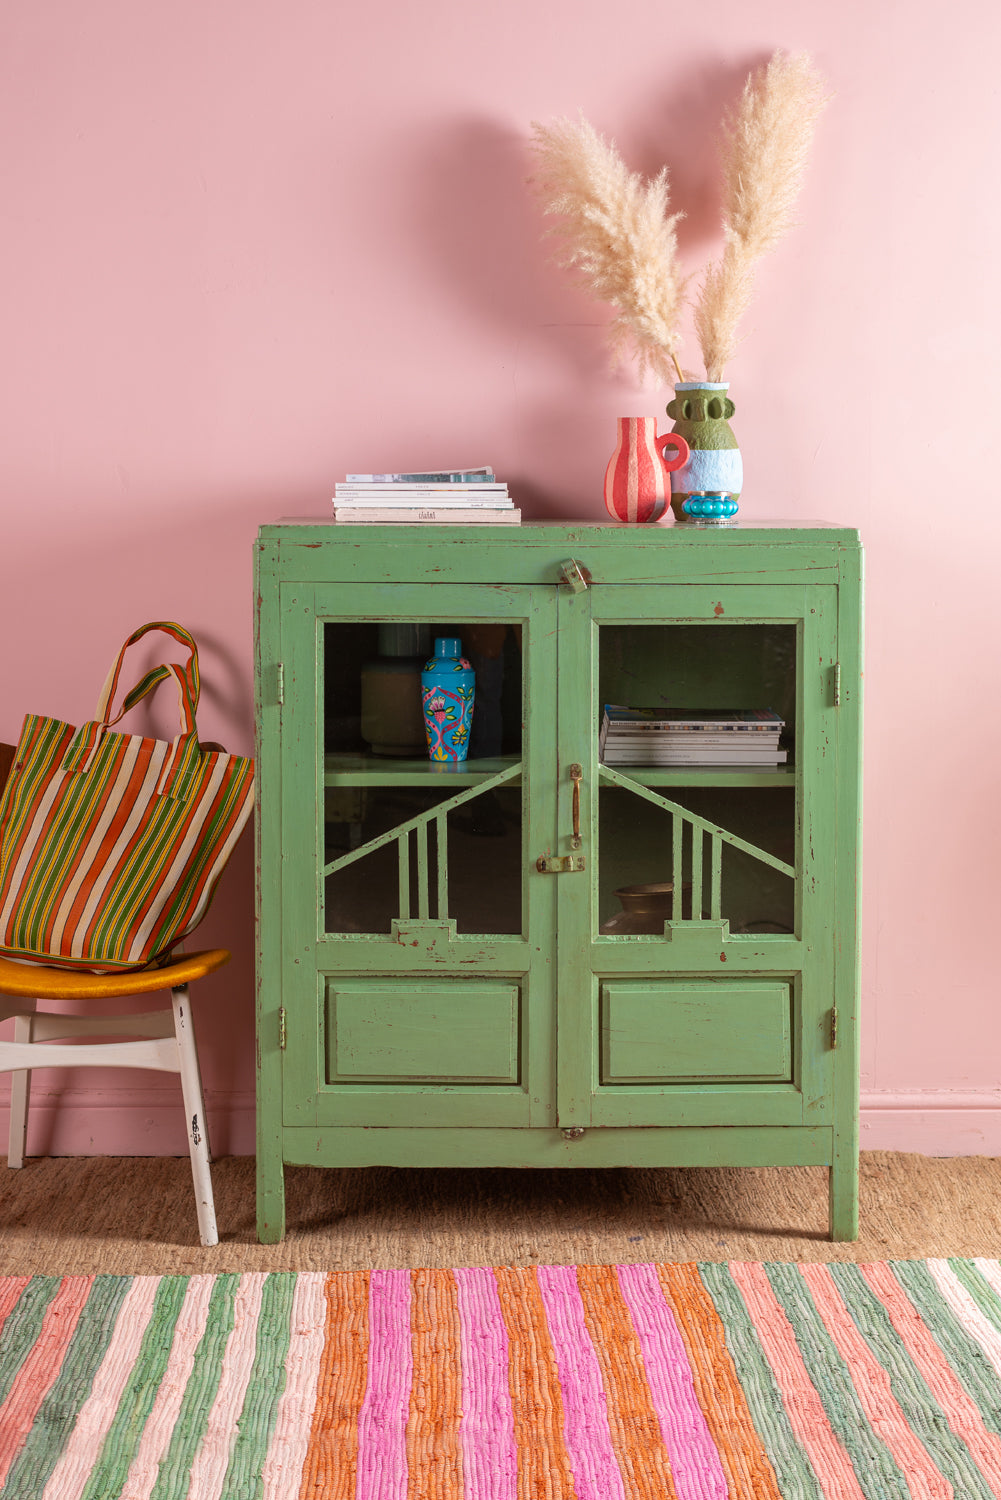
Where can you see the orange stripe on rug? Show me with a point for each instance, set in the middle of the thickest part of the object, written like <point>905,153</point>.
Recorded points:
<point>434,1443</point>
<point>544,1471</point>
<point>331,1467</point>
<point>749,1474</point>
<point>632,1420</point>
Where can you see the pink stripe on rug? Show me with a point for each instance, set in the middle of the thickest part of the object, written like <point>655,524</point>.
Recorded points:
<point>695,1465</point>
<point>489,1450</point>
<point>208,1469</point>
<point>963,1413</point>
<point>586,1432</point>
<point>11,1288</point>
<point>34,1379</point>
<point>803,1405</point>
<point>382,1421</point>
<point>162,1419</point>
<point>71,1473</point>
<point>282,1469</point>
<point>874,1391</point>
<point>967,1311</point>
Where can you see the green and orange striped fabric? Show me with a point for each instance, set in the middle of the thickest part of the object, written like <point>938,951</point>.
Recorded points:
<point>660,1382</point>
<point>111,845</point>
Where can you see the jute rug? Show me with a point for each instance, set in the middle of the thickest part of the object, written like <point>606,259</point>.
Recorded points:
<point>687,1381</point>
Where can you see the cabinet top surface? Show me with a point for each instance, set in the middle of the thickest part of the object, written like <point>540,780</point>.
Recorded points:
<point>309,529</point>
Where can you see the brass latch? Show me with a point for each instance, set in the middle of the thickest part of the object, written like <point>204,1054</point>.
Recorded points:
<point>573,576</point>
<point>559,864</point>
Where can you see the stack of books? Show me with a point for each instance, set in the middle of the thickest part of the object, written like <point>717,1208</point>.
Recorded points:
<point>450,497</point>
<point>730,737</point>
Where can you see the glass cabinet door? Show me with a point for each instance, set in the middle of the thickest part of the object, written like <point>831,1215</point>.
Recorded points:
<point>698,914</point>
<point>419,867</point>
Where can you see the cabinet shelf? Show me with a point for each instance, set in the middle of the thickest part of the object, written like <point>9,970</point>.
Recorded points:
<point>342,769</point>
<point>707,775</point>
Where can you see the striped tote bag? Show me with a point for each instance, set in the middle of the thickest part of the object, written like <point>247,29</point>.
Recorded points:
<point>111,845</point>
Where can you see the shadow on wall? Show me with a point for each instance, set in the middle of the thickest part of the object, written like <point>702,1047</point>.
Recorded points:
<point>482,226</point>
<point>476,221</point>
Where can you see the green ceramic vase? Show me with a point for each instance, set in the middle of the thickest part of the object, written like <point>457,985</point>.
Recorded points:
<point>701,410</point>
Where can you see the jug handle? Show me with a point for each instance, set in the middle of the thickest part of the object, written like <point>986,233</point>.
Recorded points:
<point>675,440</point>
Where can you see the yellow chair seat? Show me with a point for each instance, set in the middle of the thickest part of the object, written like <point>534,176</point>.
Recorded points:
<point>42,982</point>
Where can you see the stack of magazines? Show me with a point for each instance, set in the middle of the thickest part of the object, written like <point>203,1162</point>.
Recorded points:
<point>730,737</point>
<point>451,497</point>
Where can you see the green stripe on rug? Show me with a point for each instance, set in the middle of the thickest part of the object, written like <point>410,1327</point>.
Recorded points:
<point>125,1433</point>
<point>22,1327</point>
<point>986,1299</point>
<point>175,1468</point>
<point>925,1416</point>
<point>877,1472</point>
<point>793,1469</point>
<point>964,1355</point>
<point>59,1411</point>
<point>264,1388</point>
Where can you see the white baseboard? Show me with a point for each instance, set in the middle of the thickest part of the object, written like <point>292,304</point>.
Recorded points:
<point>134,1122</point>
<point>939,1122</point>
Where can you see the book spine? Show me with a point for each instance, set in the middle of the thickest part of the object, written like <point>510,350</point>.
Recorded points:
<point>418,515</point>
<point>778,757</point>
<point>453,493</point>
<point>442,476</point>
<point>660,728</point>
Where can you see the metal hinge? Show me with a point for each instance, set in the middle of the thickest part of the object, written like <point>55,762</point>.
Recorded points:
<point>834,1027</point>
<point>559,864</point>
<point>837,684</point>
<point>281,1028</point>
<point>280,682</point>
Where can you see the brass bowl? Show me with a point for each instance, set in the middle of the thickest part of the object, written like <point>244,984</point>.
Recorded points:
<point>645,908</point>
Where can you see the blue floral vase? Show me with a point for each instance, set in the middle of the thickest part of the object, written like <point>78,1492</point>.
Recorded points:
<point>448,686</point>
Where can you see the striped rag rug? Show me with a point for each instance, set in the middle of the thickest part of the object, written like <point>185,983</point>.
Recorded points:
<point>665,1382</point>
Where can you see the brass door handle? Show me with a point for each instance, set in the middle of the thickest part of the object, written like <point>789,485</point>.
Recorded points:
<point>576,776</point>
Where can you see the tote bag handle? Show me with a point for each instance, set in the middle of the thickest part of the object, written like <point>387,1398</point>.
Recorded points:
<point>184,754</point>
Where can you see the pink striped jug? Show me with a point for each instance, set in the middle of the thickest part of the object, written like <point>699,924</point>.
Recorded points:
<point>637,480</point>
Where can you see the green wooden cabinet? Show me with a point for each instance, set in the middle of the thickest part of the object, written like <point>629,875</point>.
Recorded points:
<point>443,978</point>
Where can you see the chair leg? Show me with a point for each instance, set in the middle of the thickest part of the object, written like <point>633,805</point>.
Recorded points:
<point>194,1110</point>
<point>20,1094</point>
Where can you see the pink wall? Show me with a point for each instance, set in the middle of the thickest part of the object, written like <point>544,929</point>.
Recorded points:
<point>246,247</point>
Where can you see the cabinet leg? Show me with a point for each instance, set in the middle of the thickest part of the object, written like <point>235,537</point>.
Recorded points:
<point>843,1190</point>
<point>270,1197</point>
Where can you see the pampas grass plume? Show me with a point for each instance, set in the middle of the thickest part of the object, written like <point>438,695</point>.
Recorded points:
<point>619,236</point>
<point>764,150</point>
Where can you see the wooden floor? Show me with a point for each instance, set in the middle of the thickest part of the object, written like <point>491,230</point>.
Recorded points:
<point>75,1215</point>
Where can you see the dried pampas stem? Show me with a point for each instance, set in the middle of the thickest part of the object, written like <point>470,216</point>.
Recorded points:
<point>619,235</point>
<point>764,151</point>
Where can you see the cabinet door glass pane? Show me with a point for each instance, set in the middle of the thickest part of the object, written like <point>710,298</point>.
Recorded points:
<point>715,807</point>
<point>636,868</point>
<point>405,838</point>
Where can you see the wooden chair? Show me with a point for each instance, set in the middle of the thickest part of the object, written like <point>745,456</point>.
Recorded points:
<point>164,1040</point>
